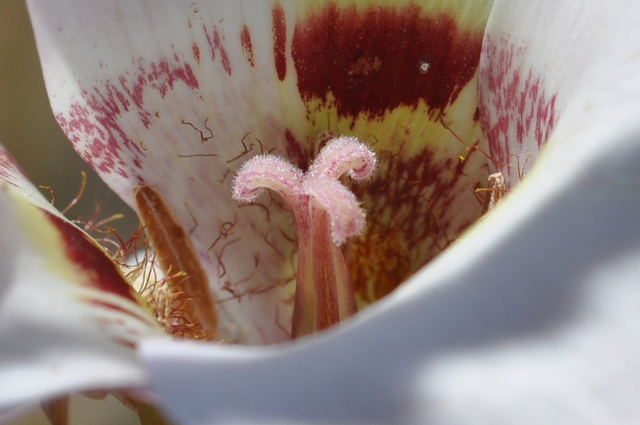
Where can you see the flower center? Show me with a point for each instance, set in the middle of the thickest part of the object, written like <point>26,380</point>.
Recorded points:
<point>326,213</point>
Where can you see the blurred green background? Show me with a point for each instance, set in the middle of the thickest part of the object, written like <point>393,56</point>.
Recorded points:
<point>31,134</point>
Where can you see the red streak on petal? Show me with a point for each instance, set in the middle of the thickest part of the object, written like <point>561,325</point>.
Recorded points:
<point>101,272</point>
<point>279,41</point>
<point>516,101</point>
<point>196,52</point>
<point>124,342</point>
<point>164,75</point>
<point>247,46</point>
<point>215,45</point>
<point>111,306</point>
<point>133,90</point>
<point>370,59</point>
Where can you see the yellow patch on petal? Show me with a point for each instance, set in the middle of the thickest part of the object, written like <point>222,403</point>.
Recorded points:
<point>43,237</point>
<point>403,78</point>
<point>71,255</point>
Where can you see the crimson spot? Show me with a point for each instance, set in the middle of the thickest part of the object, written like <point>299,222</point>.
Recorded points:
<point>376,59</point>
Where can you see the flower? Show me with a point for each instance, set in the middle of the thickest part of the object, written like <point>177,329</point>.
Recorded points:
<point>119,107</point>
<point>528,318</point>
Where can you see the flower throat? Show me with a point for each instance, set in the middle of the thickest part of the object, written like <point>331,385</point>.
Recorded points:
<point>326,213</point>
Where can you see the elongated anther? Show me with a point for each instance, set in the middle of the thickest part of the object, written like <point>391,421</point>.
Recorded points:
<point>193,309</point>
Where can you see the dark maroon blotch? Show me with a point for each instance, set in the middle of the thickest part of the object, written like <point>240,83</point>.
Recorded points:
<point>103,273</point>
<point>377,59</point>
<point>279,41</point>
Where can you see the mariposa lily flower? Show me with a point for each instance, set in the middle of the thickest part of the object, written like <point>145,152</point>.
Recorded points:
<point>531,316</point>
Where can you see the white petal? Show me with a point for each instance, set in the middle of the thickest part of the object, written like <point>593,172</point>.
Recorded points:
<point>68,320</point>
<point>533,317</point>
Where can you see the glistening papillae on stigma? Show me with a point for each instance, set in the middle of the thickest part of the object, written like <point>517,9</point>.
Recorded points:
<point>326,214</point>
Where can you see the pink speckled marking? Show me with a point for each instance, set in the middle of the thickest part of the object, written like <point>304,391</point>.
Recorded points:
<point>515,100</point>
<point>215,45</point>
<point>93,123</point>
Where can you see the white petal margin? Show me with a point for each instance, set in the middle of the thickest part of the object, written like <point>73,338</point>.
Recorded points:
<point>59,332</point>
<point>533,317</point>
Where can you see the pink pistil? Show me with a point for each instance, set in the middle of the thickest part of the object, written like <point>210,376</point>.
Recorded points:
<point>326,213</point>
